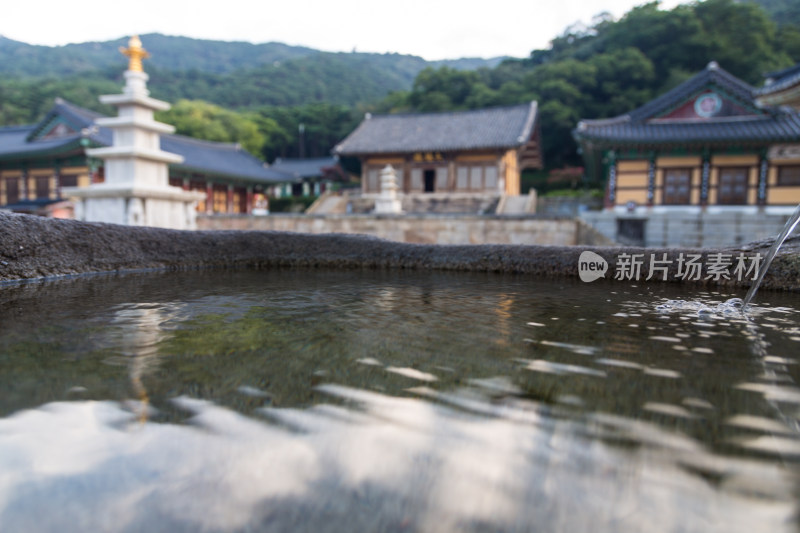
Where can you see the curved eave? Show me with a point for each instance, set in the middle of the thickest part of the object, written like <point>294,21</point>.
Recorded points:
<point>754,133</point>
<point>530,123</point>
<point>788,96</point>
<point>445,149</point>
<point>612,143</point>
<point>70,148</point>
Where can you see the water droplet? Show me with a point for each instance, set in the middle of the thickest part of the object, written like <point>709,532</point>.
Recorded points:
<point>736,303</point>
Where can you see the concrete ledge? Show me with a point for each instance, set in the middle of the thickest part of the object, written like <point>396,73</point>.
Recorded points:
<point>418,228</point>
<point>34,247</point>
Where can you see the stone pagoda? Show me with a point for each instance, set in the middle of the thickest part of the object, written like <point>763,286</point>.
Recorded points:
<point>136,189</point>
<point>387,202</point>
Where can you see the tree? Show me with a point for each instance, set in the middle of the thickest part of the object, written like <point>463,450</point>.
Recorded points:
<point>783,12</point>
<point>624,80</point>
<point>667,38</point>
<point>442,89</point>
<point>196,118</point>
<point>324,125</point>
<point>741,38</point>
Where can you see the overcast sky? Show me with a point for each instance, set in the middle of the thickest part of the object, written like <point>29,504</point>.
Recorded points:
<point>433,29</point>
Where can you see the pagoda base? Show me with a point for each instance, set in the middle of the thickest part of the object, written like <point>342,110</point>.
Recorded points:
<point>161,207</point>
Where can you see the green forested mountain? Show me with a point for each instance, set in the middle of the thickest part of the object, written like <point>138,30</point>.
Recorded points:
<point>781,11</point>
<point>184,54</point>
<point>264,74</point>
<point>173,53</point>
<point>346,79</point>
<point>341,79</point>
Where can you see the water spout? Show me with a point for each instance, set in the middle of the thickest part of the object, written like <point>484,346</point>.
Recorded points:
<point>787,229</point>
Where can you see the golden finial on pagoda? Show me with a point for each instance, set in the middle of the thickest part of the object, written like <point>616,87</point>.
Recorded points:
<point>135,53</point>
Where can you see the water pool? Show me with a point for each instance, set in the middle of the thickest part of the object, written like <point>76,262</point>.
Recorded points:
<point>312,400</point>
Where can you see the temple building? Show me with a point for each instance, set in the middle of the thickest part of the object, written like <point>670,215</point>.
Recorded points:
<point>707,146</point>
<point>311,176</point>
<point>707,142</point>
<point>479,152</point>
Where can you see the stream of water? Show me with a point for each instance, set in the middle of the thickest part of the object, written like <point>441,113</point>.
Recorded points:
<point>773,250</point>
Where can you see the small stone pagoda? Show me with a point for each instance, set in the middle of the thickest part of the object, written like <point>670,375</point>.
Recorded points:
<point>136,189</point>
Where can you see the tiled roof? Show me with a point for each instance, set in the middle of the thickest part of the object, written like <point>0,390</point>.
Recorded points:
<point>224,159</point>
<point>24,205</point>
<point>638,127</point>
<point>501,127</point>
<point>780,80</point>
<point>14,143</point>
<point>219,158</point>
<point>76,117</point>
<point>304,168</point>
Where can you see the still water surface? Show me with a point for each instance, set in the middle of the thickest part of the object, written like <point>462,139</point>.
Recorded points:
<point>368,401</point>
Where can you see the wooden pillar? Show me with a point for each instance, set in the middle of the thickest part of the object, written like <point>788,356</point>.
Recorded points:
<point>229,198</point>
<point>705,176</point>
<point>57,176</point>
<point>249,199</point>
<point>611,188</point>
<point>52,186</point>
<point>651,179</point>
<point>24,185</point>
<point>763,169</point>
<point>451,174</point>
<point>32,188</point>
<point>364,175</point>
<point>209,198</point>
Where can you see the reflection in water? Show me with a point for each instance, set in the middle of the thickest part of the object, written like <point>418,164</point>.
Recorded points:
<point>136,331</point>
<point>393,464</point>
<point>393,402</point>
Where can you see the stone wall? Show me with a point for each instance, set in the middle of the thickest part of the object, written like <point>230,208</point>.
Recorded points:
<point>567,206</point>
<point>423,229</point>
<point>429,203</point>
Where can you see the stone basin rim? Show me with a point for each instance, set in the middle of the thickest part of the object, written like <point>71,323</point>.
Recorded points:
<point>36,248</point>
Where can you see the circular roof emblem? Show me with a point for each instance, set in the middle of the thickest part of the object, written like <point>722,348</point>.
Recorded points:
<point>707,105</point>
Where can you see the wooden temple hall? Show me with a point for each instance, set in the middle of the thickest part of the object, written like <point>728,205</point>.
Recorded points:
<point>711,141</point>
<point>480,152</point>
<point>37,161</point>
